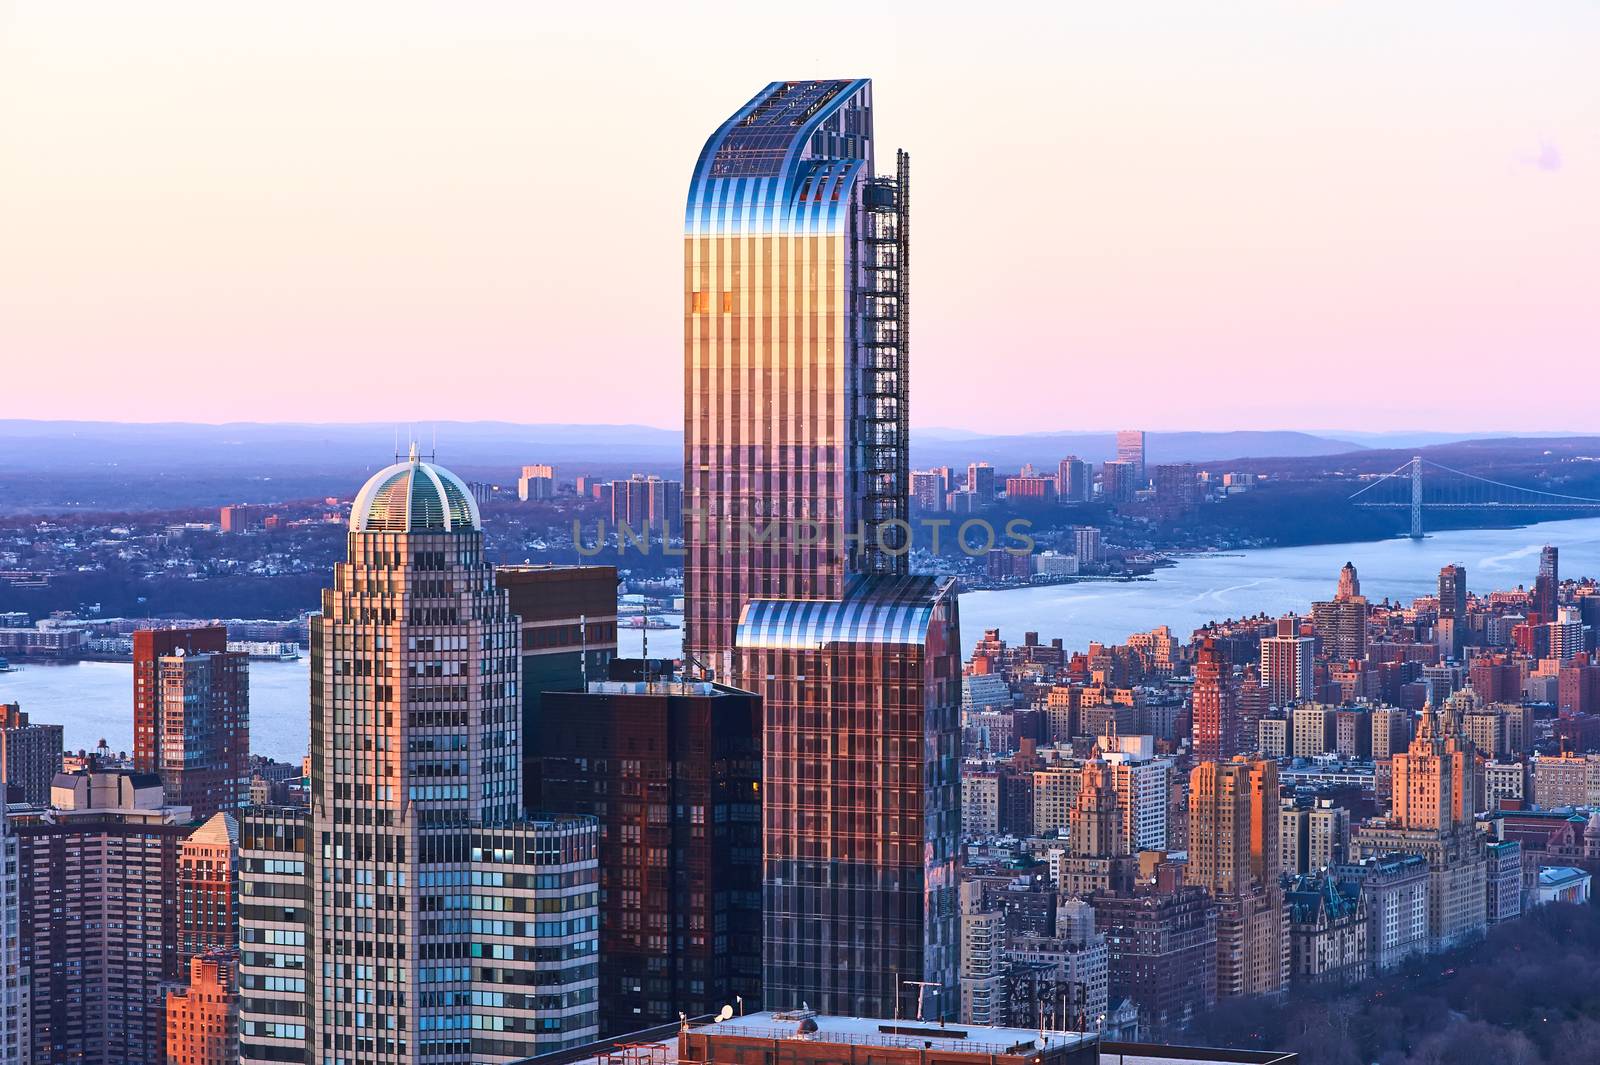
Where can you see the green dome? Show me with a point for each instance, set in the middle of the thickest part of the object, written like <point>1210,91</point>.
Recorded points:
<point>414,496</point>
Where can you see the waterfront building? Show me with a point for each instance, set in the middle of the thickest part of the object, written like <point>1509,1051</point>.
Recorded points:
<point>1546,587</point>
<point>1086,544</point>
<point>1340,624</point>
<point>191,716</point>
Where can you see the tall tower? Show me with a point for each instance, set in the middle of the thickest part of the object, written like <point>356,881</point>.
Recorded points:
<point>1433,780</point>
<point>1453,592</point>
<point>1546,587</point>
<point>861,803</point>
<point>416,751</point>
<point>1130,448</point>
<point>1349,583</point>
<point>191,716</point>
<point>1234,854</point>
<point>1213,722</point>
<point>795,268</point>
<point>1288,661</point>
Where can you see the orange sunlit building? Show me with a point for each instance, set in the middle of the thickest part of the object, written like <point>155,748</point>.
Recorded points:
<point>203,1018</point>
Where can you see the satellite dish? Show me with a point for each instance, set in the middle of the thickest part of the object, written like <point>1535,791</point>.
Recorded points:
<point>726,1014</point>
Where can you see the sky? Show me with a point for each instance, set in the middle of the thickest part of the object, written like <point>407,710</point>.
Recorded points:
<point>1185,215</point>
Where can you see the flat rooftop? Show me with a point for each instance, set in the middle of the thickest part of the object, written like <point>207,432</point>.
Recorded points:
<point>660,1045</point>
<point>910,1034</point>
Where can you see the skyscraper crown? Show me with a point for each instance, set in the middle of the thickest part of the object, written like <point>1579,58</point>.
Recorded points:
<point>414,496</point>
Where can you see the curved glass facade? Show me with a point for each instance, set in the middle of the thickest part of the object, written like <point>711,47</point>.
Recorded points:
<point>795,421</point>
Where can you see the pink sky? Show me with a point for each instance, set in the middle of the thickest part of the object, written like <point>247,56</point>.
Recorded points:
<point>1361,215</point>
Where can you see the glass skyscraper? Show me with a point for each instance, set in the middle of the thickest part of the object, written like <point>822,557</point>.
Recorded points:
<point>861,804</point>
<point>796,483</point>
<point>795,262</point>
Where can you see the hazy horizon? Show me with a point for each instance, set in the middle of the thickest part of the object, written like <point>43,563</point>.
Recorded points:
<point>423,426</point>
<point>1360,213</point>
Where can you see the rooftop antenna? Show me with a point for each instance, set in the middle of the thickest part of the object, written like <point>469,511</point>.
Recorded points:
<point>433,456</point>
<point>922,989</point>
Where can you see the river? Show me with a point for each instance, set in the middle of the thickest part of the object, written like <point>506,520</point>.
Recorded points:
<point>94,700</point>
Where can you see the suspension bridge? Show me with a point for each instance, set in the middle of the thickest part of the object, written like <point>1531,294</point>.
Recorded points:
<point>1450,489</point>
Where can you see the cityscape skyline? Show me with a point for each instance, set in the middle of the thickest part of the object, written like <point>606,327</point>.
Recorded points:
<point>1259,190</point>
<point>820,823</point>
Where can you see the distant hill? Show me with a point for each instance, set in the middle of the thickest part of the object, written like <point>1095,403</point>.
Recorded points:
<point>35,446</point>
<point>1045,450</point>
<point>27,446</point>
<point>47,465</point>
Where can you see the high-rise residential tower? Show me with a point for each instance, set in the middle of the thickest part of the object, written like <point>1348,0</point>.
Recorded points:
<point>1213,720</point>
<point>444,927</point>
<point>1288,662</point>
<point>861,795</point>
<point>1546,587</point>
<point>796,477</point>
<point>1235,854</point>
<point>99,918</point>
<point>1074,480</point>
<point>796,258</point>
<point>30,754</point>
<point>1341,623</point>
<point>191,716</point>
<point>1453,592</point>
<point>1130,449</point>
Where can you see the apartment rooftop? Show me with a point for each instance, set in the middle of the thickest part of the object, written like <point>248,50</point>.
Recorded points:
<point>809,1038</point>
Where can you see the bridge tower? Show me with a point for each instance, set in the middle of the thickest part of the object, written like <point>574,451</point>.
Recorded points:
<point>1416,497</point>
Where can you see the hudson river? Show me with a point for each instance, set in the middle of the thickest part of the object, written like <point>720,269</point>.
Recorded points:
<point>95,699</point>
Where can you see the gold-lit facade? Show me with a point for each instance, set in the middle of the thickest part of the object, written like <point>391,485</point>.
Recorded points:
<point>795,418</point>
<point>861,804</point>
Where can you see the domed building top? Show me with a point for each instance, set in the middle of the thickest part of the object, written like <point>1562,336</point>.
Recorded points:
<point>414,496</point>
